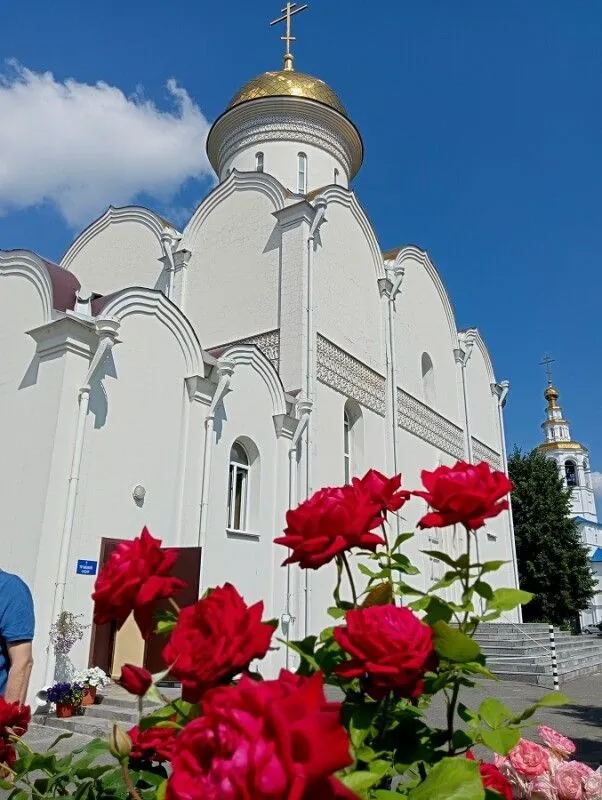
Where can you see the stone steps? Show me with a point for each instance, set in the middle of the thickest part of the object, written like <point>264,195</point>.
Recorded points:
<point>522,653</point>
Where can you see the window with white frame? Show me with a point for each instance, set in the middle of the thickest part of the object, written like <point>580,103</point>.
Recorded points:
<point>259,162</point>
<point>238,491</point>
<point>347,446</point>
<point>301,173</point>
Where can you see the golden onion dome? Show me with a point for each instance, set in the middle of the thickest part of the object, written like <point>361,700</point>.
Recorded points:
<point>288,83</point>
<point>551,393</point>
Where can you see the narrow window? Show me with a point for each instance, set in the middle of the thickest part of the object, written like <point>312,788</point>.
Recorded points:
<point>336,177</point>
<point>259,162</point>
<point>301,173</point>
<point>428,379</point>
<point>347,447</point>
<point>238,494</point>
<point>570,470</point>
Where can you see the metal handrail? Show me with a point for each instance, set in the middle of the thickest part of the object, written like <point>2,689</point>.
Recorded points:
<point>527,635</point>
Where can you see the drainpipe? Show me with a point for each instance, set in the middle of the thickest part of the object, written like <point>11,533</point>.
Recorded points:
<point>500,390</point>
<point>167,243</point>
<point>462,355</point>
<point>303,410</point>
<point>398,275</point>
<point>225,370</point>
<point>319,218</point>
<point>107,331</point>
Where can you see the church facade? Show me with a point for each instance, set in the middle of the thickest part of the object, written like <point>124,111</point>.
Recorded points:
<point>202,381</point>
<point>572,459</point>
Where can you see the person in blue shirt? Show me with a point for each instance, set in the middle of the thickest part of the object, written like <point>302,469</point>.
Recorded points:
<point>16,635</point>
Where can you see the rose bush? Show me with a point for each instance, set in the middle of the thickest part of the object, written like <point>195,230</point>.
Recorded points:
<point>391,648</point>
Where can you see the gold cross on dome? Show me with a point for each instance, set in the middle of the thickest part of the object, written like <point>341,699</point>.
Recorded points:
<point>288,12</point>
<point>547,363</point>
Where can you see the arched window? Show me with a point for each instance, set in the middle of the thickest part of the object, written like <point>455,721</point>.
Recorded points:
<point>336,177</point>
<point>353,440</point>
<point>301,173</point>
<point>570,470</point>
<point>428,379</point>
<point>238,492</point>
<point>259,162</point>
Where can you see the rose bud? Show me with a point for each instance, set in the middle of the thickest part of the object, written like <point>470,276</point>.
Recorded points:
<point>120,743</point>
<point>135,680</point>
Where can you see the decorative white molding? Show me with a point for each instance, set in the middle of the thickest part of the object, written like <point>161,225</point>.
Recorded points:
<point>31,267</point>
<point>482,452</point>
<point>413,253</point>
<point>150,301</point>
<point>260,182</point>
<point>143,216</point>
<point>65,334</point>
<point>268,343</point>
<point>419,419</point>
<point>480,343</point>
<point>351,377</point>
<point>250,355</point>
<point>346,198</point>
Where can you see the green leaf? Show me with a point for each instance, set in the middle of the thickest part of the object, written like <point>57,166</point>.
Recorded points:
<point>500,740</point>
<point>492,566</point>
<point>451,779</point>
<point>385,794</point>
<point>336,613</point>
<point>466,714</point>
<point>507,599</point>
<point>367,571</point>
<point>360,781</point>
<point>403,537</point>
<point>379,595</point>
<point>441,556</point>
<point>553,699</point>
<point>454,645</point>
<point>494,713</point>
<point>437,610</point>
<point>483,589</point>
<point>59,738</point>
<point>305,649</point>
<point>164,626</point>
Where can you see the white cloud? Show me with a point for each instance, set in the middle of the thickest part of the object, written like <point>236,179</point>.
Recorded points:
<point>597,483</point>
<point>83,147</point>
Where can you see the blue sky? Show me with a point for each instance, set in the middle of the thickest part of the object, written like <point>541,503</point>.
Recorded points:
<point>482,123</point>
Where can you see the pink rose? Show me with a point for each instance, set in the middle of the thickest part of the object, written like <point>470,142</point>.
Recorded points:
<point>558,744</point>
<point>568,781</point>
<point>541,789</point>
<point>592,787</point>
<point>529,759</point>
<point>583,769</point>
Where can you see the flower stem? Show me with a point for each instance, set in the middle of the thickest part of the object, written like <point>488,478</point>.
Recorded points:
<point>128,782</point>
<point>174,605</point>
<point>337,589</point>
<point>350,576</point>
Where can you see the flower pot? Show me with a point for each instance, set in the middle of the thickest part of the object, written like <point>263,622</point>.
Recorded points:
<point>64,710</point>
<point>89,697</point>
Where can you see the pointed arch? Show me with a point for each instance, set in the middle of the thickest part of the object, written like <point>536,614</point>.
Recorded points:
<point>260,182</point>
<point>34,269</point>
<point>137,300</point>
<point>113,216</point>
<point>252,356</point>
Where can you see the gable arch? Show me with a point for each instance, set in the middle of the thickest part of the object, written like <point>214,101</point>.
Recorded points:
<point>261,182</point>
<point>252,356</point>
<point>347,199</point>
<point>480,343</point>
<point>413,253</point>
<point>137,300</point>
<point>28,265</point>
<point>113,216</point>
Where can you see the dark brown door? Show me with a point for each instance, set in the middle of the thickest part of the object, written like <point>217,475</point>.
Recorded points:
<point>187,567</point>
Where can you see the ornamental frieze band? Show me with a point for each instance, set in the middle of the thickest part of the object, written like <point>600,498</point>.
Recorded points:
<point>347,375</point>
<point>417,418</point>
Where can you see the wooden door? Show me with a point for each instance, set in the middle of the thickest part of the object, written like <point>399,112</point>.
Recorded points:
<point>102,647</point>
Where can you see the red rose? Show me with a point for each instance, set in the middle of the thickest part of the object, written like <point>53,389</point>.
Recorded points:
<point>390,649</point>
<point>383,491</point>
<point>270,740</point>
<point>13,716</point>
<point>153,744</point>
<point>333,520</point>
<point>466,493</point>
<point>216,639</point>
<point>134,578</point>
<point>135,680</point>
<point>493,778</point>
<point>8,756</point>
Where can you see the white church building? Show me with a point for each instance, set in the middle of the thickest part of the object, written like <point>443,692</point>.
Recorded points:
<point>572,459</point>
<point>202,381</point>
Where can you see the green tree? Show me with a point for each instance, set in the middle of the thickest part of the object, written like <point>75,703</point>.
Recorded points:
<point>552,562</point>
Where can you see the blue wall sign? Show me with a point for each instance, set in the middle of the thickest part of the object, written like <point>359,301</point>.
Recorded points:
<point>86,567</point>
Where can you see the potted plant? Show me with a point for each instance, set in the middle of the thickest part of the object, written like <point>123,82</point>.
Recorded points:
<point>67,697</point>
<point>92,679</point>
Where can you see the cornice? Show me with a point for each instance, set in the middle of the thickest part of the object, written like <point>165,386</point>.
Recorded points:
<point>65,334</point>
<point>252,356</point>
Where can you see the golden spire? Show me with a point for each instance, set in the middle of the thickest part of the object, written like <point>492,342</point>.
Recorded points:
<point>551,393</point>
<point>288,12</point>
<point>547,362</point>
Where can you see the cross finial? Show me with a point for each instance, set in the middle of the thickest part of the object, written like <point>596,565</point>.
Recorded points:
<point>288,12</point>
<point>547,363</point>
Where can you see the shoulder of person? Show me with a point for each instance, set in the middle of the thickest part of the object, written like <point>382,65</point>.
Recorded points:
<point>13,583</point>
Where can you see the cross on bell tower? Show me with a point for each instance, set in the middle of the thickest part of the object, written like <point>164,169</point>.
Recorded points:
<point>288,12</point>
